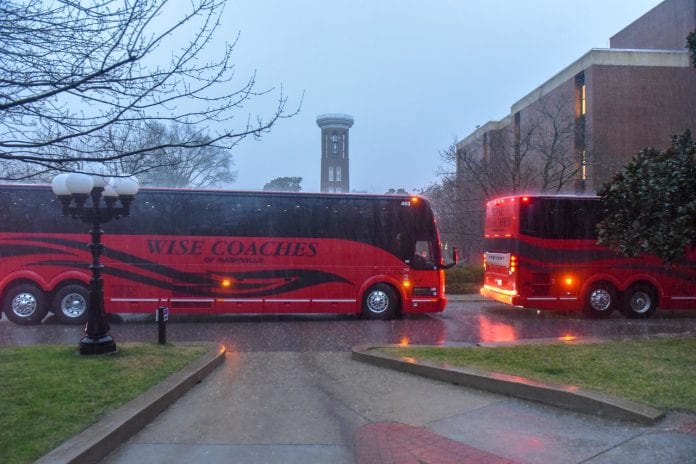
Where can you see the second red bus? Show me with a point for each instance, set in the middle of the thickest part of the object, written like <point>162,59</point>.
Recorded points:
<point>542,252</point>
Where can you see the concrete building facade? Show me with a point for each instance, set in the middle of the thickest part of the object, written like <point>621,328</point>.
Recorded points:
<point>577,129</point>
<point>335,160</point>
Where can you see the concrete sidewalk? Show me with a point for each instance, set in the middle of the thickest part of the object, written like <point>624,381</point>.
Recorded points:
<point>667,441</point>
<point>306,407</point>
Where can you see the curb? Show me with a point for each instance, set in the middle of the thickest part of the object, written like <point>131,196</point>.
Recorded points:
<point>564,396</point>
<point>97,441</point>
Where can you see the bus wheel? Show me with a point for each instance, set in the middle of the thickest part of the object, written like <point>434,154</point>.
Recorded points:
<point>70,304</point>
<point>380,302</point>
<point>600,300</point>
<point>639,302</point>
<point>25,304</point>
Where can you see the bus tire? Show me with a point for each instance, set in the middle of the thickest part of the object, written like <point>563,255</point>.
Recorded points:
<point>600,300</point>
<point>70,304</point>
<point>640,301</point>
<point>380,302</point>
<point>25,304</point>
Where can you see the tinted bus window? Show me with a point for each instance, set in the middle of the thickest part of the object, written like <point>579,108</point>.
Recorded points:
<point>560,218</point>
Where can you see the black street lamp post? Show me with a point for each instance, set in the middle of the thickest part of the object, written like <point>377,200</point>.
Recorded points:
<point>78,189</point>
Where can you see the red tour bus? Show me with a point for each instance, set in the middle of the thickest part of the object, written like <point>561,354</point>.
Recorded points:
<point>542,252</point>
<point>198,251</point>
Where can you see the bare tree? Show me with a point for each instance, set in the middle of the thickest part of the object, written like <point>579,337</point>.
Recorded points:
<point>467,166</point>
<point>500,165</point>
<point>459,217</point>
<point>174,166</point>
<point>553,145</point>
<point>530,151</point>
<point>73,74</point>
<point>458,201</point>
<point>536,151</point>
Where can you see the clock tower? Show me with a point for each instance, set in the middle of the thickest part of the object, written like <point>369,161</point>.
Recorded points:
<point>334,151</point>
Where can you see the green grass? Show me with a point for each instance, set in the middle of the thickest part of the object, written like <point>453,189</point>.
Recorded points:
<point>50,393</point>
<point>660,373</point>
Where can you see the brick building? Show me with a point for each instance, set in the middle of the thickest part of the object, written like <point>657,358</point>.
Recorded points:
<point>574,131</point>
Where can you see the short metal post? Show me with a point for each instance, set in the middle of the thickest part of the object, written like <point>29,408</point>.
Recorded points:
<point>162,317</point>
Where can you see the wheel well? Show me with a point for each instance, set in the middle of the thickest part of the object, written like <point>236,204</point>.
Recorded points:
<point>399,301</point>
<point>14,283</point>
<point>604,282</point>
<point>650,285</point>
<point>65,283</point>
<point>395,289</point>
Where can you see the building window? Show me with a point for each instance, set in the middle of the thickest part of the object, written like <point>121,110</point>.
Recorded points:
<point>580,95</point>
<point>517,134</point>
<point>338,173</point>
<point>338,189</point>
<point>331,174</point>
<point>580,135</point>
<point>486,147</point>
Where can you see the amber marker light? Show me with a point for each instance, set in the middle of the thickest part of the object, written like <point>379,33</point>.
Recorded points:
<point>568,282</point>
<point>226,283</point>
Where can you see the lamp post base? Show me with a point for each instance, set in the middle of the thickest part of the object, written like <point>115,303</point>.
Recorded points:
<point>98,345</point>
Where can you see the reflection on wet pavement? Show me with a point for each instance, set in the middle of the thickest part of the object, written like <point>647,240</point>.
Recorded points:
<point>463,323</point>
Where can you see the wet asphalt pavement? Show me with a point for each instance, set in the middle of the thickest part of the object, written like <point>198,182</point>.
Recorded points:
<point>288,392</point>
<point>467,320</point>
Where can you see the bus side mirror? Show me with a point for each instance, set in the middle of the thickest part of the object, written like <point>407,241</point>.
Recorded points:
<point>455,258</point>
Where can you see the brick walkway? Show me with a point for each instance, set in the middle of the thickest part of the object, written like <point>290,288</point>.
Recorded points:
<point>395,443</point>
<point>688,427</point>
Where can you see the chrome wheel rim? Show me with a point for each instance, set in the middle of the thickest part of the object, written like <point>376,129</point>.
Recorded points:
<point>640,302</point>
<point>600,299</point>
<point>73,305</point>
<point>24,304</point>
<point>377,302</point>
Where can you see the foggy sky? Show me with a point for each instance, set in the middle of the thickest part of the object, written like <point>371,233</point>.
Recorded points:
<point>415,75</point>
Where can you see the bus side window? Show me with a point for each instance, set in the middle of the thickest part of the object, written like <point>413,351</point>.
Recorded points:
<point>404,247</point>
<point>423,256</point>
